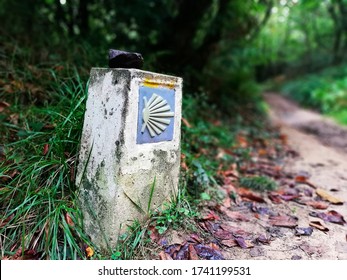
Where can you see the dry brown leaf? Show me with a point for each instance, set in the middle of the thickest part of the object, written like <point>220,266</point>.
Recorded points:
<point>243,243</point>
<point>303,180</point>
<point>249,195</point>
<point>192,253</point>
<point>284,139</point>
<point>317,204</point>
<point>3,106</point>
<point>242,141</point>
<point>69,220</point>
<point>319,225</point>
<point>275,197</point>
<point>164,256</point>
<point>326,196</point>
<point>262,152</point>
<point>211,216</point>
<point>183,162</point>
<point>283,221</point>
<point>154,235</point>
<point>229,243</point>
<point>5,221</point>
<point>89,252</point>
<point>234,215</point>
<point>13,118</point>
<point>45,149</point>
<point>223,234</point>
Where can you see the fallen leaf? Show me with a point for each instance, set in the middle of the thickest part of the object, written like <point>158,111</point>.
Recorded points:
<point>303,231</point>
<point>214,246</point>
<point>211,216</point>
<point>331,216</point>
<point>242,141</point>
<point>326,196</point>
<point>173,249</point>
<point>275,198</point>
<point>261,210</point>
<point>300,179</point>
<point>313,203</point>
<point>194,238</point>
<point>283,221</point>
<point>303,180</point>
<point>319,225</point>
<point>45,149</point>
<point>207,253</point>
<point>3,106</point>
<point>183,253</point>
<point>262,152</point>
<point>318,204</point>
<point>13,119</point>
<point>284,139</point>
<point>229,243</point>
<point>192,253</point>
<point>234,215</point>
<point>164,256</point>
<point>249,195</point>
<point>223,234</point>
<point>69,220</point>
<point>154,234</point>
<point>183,162</point>
<point>89,252</point>
<point>243,243</point>
<point>289,197</point>
<point>28,254</point>
<point>5,221</point>
<point>264,239</point>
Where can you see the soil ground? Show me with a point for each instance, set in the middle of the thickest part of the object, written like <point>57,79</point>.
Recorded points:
<point>322,148</point>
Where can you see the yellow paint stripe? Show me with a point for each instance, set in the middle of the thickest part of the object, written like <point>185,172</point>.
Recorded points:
<point>156,84</point>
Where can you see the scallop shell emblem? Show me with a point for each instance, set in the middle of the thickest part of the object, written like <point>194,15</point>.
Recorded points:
<point>156,115</point>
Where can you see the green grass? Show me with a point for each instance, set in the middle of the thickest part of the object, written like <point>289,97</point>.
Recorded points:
<point>37,177</point>
<point>258,183</point>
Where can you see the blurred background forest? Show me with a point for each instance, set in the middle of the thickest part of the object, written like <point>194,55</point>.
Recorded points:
<point>220,47</point>
<point>227,51</point>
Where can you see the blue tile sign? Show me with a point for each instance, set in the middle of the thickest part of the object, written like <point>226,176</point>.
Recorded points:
<point>155,114</point>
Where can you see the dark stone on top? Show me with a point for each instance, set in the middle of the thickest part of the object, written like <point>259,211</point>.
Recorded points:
<point>122,59</point>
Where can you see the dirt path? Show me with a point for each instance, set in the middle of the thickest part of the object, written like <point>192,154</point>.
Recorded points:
<point>322,146</point>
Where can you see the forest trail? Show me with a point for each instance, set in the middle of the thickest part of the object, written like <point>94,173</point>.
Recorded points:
<point>322,148</point>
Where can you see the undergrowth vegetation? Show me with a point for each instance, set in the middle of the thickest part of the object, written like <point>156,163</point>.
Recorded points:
<point>41,124</point>
<point>325,91</point>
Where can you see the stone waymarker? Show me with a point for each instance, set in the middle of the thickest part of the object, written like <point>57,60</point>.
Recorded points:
<point>130,146</point>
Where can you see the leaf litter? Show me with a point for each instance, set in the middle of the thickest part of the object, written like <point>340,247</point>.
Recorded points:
<point>245,207</point>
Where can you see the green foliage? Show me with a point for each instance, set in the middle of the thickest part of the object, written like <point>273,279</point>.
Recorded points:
<point>179,213</point>
<point>39,191</point>
<point>325,91</point>
<point>258,183</point>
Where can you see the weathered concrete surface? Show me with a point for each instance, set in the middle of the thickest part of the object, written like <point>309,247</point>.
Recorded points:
<point>115,174</point>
